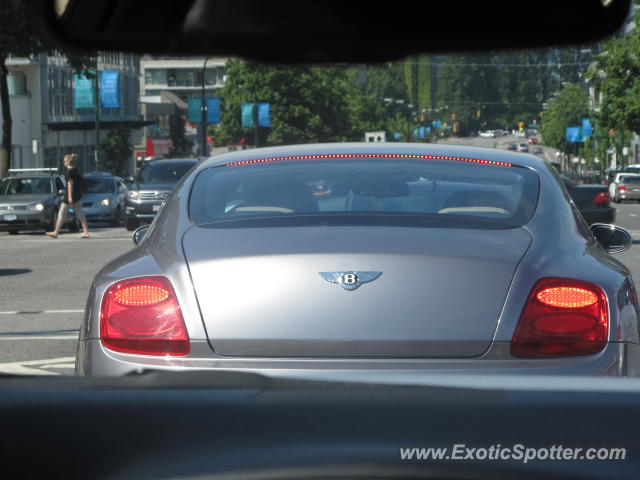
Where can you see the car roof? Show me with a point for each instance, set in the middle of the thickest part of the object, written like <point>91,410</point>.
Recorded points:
<point>386,148</point>
<point>171,160</point>
<point>33,175</point>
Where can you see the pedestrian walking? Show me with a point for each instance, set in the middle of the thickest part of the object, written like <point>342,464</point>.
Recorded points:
<point>73,198</point>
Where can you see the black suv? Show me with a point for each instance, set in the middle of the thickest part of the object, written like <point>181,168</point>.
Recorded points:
<point>151,188</point>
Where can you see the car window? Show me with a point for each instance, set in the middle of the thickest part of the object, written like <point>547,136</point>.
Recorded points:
<point>99,185</point>
<point>398,190</point>
<point>164,172</point>
<point>25,186</point>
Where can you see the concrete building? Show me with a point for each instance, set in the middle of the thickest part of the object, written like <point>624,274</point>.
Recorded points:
<point>46,123</point>
<point>166,86</point>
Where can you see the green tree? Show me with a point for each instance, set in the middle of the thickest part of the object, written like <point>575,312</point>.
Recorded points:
<point>24,33</point>
<point>308,104</point>
<point>117,150</point>
<point>616,75</point>
<point>567,109</point>
<point>180,146</point>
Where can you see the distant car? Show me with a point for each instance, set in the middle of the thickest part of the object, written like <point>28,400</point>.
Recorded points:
<point>537,150</point>
<point>103,198</point>
<point>488,134</point>
<point>628,188</point>
<point>520,135</point>
<point>592,201</point>
<point>151,188</point>
<point>247,267</point>
<point>512,146</point>
<point>616,178</point>
<point>30,200</point>
<point>523,147</point>
<point>533,140</point>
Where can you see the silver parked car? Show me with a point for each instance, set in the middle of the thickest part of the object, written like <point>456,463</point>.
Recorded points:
<point>409,258</point>
<point>30,199</point>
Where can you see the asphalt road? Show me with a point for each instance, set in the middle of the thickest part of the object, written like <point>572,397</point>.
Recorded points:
<point>44,284</point>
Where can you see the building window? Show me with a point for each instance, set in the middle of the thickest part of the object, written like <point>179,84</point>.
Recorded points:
<point>156,76</point>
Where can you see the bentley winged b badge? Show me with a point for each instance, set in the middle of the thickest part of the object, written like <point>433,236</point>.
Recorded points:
<point>349,280</point>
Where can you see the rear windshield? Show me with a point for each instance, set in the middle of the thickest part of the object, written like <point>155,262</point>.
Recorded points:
<point>371,191</point>
<point>632,180</point>
<point>164,172</point>
<point>25,186</point>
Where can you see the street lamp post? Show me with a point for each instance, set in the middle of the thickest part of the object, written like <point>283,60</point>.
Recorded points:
<point>97,148</point>
<point>203,118</point>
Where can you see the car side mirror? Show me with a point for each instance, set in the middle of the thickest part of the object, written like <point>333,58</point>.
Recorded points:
<point>612,238</point>
<point>61,192</point>
<point>140,233</point>
<point>129,180</point>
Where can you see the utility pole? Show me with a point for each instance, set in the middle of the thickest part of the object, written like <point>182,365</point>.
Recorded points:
<point>203,118</point>
<point>97,148</point>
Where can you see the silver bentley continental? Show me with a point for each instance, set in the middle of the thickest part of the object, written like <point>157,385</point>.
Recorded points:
<point>367,259</point>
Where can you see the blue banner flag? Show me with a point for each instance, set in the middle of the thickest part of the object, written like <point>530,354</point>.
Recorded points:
<point>110,89</point>
<point>264,119</point>
<point>247,115</point>
<point>84,92</point>
<point>195,114</point>
<point>213,110</point>
<point>573,134</point>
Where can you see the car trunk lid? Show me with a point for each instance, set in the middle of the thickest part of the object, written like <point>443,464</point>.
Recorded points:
<point>440,292</point>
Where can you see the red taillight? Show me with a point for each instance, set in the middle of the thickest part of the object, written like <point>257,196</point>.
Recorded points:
<point>142,316</point>
<point>622,188</point>
<point>562,318</point>
<point>601,198</point>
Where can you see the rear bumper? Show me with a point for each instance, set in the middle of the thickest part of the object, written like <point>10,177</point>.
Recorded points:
<point>599,215</point>
<point>629,195</point>
<point>617,360</point>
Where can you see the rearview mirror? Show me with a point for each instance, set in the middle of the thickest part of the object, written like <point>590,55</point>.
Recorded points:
<point>326,31</point>
<point>139,234</point>
<point>612,238</point>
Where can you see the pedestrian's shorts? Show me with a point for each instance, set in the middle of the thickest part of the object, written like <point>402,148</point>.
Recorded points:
<point>77,206</point>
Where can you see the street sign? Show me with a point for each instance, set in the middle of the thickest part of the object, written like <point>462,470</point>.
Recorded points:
<point>375,137</point>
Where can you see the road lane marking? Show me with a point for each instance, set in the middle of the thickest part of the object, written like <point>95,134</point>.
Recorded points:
<point>22,368</point>
<point>23,312</point>
<point>633,215</point>
<point>40,337</point>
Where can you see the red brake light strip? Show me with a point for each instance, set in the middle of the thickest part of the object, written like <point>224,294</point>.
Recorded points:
<point>368,155</point>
